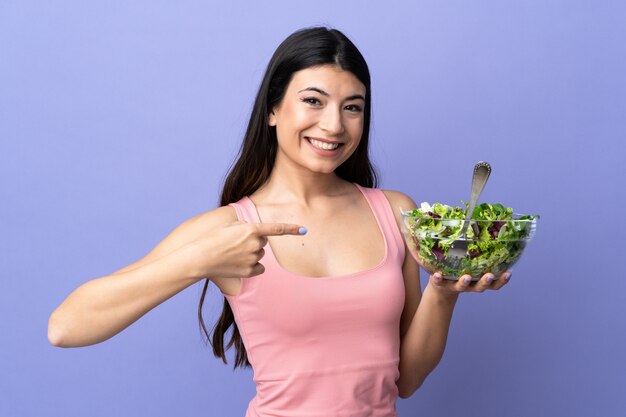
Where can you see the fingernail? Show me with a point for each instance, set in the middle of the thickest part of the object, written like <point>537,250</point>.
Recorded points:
<point>507,276</point>
<point>437,277</point>
<point>490,279</point>
<point>467,280</point>
<point>302,230</point>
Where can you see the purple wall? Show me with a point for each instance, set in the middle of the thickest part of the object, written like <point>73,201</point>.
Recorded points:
<point>119,119</point>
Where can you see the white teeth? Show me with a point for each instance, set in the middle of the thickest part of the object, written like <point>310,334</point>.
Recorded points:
<point>323,145</point>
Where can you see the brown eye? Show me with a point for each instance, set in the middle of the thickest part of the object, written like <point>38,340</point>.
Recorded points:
<point>311,100</point>
<point>354,108</point>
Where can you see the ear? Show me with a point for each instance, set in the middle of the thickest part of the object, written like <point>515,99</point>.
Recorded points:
<point>271,120</point>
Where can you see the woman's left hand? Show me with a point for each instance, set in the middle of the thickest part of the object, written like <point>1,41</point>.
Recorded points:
<point>488,281</point>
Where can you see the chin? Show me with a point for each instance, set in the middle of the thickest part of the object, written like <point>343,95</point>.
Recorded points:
<point>322,171</point>
<point>327,170</point>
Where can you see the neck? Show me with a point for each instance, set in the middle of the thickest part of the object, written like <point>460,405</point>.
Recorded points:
<point>287,185</point>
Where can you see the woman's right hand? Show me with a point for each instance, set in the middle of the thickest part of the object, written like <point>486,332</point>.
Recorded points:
<point>234,250</point>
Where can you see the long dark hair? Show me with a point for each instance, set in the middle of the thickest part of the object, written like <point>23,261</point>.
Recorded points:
<point>303,49</point>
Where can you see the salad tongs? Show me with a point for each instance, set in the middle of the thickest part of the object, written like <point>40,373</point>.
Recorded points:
<point>458,249</point>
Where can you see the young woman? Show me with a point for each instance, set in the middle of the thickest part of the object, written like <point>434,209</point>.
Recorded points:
<point>322,295</point>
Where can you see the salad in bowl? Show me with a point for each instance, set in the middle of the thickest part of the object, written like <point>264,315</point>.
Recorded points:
<point>495,239</point>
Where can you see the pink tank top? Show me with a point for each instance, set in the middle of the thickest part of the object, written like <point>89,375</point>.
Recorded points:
<point>324,346</point>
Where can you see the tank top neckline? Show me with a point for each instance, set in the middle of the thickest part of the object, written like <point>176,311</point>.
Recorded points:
<point>382,263</point>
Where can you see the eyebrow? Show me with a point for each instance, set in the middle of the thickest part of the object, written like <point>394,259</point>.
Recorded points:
<point>324,93</point>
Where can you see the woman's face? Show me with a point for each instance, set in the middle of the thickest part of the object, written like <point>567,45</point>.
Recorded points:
<point>319,121</point>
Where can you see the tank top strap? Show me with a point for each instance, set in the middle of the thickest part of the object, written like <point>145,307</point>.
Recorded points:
<point>246,211</point>
<point>385,215</point>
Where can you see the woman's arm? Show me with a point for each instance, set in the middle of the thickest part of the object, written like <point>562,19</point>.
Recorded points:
<point>421,344</point>
<point>210,245</point>
<point>103,307</point>
<point>424,343</point>
<point>426,317</point>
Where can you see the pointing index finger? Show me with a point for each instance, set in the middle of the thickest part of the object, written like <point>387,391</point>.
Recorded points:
<point>277,229</point>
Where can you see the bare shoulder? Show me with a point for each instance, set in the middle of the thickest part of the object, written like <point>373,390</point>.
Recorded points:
<point>186,232</point>
<point>198,226</point>
<point>399,201</point>
<point>210,219</point>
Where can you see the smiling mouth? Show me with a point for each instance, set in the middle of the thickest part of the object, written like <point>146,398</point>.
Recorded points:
<point>325,146</point>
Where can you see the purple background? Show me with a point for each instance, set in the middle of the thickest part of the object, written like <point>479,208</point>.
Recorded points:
<point>119,119</point>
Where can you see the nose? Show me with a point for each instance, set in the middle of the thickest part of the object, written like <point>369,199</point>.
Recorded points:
<point>331,121</point>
